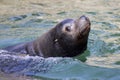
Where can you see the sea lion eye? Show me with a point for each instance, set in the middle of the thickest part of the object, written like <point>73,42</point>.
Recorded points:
<point>68,28</point>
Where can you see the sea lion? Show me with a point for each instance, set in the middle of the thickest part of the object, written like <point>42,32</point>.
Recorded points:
<point>67,39</point>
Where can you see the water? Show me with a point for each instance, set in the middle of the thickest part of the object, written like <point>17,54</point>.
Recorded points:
<point>54,68</point>
<point>29,19</point>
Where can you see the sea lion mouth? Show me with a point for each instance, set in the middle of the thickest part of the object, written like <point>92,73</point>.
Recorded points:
<point>83,24</point>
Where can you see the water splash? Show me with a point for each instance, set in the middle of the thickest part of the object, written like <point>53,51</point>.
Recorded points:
<point>54,68</point>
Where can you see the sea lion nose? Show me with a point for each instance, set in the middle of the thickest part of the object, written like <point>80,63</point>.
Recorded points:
<point>83,24</point>
<point>84,18</point>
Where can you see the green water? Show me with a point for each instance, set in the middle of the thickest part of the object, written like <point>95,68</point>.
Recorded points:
<point>27,22</point>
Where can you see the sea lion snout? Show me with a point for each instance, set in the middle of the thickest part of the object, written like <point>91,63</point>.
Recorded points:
<point>83,24</point>
<point>84,18</point>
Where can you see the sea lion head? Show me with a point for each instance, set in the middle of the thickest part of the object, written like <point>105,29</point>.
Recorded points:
<point>73,34</point>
